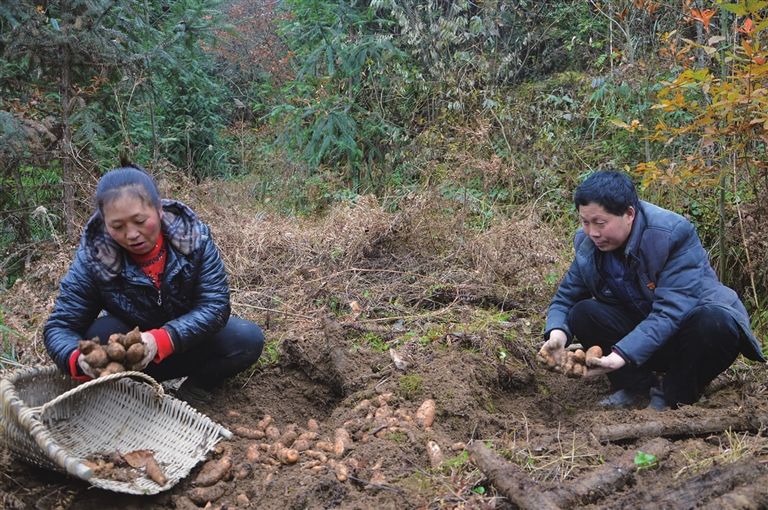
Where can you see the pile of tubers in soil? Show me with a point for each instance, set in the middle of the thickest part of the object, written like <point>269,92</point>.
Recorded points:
<point>122,352</point>
<point>574,363</point>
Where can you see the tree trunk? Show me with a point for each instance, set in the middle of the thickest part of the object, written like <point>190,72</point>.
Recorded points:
<point>707,486</point>
<point>67,166</point>
<point>510,479</point>
<point>608,478</point>
<point>679,426</point>
<point>752,496</point>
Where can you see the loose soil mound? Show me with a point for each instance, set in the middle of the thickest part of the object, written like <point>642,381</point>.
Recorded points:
<point>370,314</point>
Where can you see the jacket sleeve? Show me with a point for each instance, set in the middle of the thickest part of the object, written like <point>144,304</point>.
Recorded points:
<point>212,308</point>
<point>77,306</point>
<point>571,290</point>
<point>677,292</point>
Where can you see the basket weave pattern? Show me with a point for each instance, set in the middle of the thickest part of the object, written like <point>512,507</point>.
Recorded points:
<point>50,421</point>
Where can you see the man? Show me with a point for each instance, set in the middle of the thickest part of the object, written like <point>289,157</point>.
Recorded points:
<point>642,288</point>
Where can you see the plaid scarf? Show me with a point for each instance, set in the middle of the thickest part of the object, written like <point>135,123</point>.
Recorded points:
<point>180,226</point>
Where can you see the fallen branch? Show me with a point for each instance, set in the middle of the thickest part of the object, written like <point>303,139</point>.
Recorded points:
<point>272,310</point>
<point>715,482</point>
<point>608,478</point>
<point>747,497</point>
<point>510,479</point>
<point>679,425</point>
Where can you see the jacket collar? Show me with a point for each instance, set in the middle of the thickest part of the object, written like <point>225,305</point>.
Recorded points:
<point>181,229</point>
<point>632,248</point>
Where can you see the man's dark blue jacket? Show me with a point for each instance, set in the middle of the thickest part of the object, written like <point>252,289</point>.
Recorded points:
<point>673,274</point>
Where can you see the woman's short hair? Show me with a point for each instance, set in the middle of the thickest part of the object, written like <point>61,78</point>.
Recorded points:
<point>127,179</point>
<point>611,189</point>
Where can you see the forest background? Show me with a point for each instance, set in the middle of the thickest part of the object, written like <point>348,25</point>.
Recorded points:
<point>496,107</point>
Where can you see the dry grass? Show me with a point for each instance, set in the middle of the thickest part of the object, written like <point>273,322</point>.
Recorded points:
<point>411,264</point>
<point>731,447</point>
<point>559,461</point>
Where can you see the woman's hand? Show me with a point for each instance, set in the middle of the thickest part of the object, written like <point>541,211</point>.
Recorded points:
<point>85,367</point>
<point>150,351</point>
<point>604,365</point>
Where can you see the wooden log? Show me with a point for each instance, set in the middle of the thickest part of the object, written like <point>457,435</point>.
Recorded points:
<point>712,484</point>
<point>608,478</point>
<point>510,479</point>
<point>753,496</point>
<point>679,425</point>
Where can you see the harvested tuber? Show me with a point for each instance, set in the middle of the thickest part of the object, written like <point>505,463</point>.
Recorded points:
<point>301,445</point>
<point>97,358</point>
<point>264,422</point>
<point>87,346</point>
<point>134,353</point>
<point>341,441</point>
<point>146,459</point>
<point>248,433</point>
<point>435,454</point>
<point>203,495</point>
<point>579,356</point>
<point>132,337</point>
<point>253,453</point>
<point>593,353</point>
<point>113,367</point>
<point>272,433</point>
<point>546,358</point>
<point>115,351</point>
<point>287,455</point>
<point>243,471</point>
<point>154,472</point>
<point>326,446</point>
<point>425,414</point>
<point>213,471</point>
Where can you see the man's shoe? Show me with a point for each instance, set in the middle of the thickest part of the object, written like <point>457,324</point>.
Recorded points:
<point>621,399</point>
<point>657,400</point>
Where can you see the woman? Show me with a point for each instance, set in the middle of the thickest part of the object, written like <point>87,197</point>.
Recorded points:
<point>152,264</point>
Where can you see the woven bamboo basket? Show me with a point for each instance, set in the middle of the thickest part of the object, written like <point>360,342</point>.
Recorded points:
<point>52,422</point>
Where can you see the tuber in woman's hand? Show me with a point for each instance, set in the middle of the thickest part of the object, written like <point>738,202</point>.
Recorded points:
<point>85,367</point>
<point>150,351</point>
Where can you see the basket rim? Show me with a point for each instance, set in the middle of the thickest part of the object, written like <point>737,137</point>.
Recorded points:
<point>28,421</point>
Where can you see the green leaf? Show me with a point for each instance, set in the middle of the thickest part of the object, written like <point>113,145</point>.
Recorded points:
<point>737,9</point>
<point>479,490</point>
<point>645,460</point>
<point>754,6</point>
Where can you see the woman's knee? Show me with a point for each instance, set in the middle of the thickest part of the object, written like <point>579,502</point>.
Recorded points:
<point>105,326</point>
<point>249,336</point>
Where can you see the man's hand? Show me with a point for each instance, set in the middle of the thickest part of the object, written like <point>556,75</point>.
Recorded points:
<point>604,365</point>
<point>553,350</point>
<point>85,367</point>
<point>150,351</point>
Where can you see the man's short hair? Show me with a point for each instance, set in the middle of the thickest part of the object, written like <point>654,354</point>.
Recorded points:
<point>611,189</point>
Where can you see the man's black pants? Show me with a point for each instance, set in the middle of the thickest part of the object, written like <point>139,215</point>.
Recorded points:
<point>708,342</point>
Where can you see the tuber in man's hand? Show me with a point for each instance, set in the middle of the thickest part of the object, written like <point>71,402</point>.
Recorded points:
<point>604,364</point>
<point>553,351</point>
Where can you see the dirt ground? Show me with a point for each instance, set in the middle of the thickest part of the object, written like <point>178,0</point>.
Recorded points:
<point>369,314</point>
